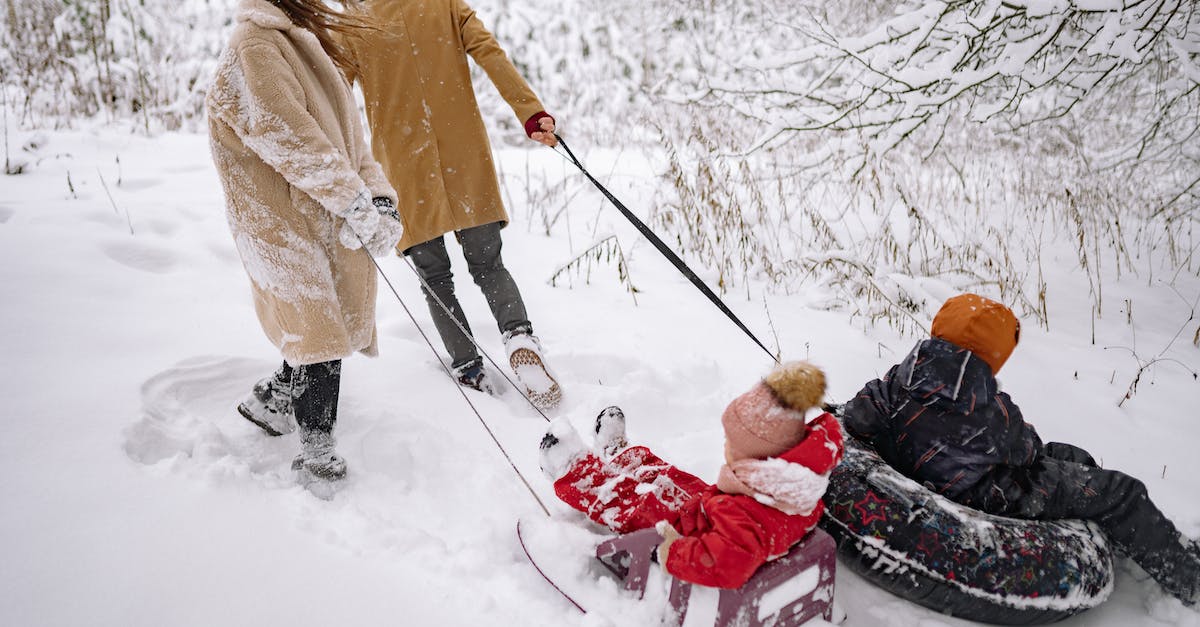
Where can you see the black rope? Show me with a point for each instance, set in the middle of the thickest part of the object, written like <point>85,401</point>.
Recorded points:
<point>451,376</point>
<point>471,338</point>
<point>664,249</point>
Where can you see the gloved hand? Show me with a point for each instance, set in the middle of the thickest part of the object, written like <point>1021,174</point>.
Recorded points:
<point>540,128</point>
<point>361,221</point>
<point>669,535</point>
<point>388,231</point>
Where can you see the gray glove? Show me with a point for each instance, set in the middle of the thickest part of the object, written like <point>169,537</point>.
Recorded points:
<point>389,229</point>
<point>361,221</point>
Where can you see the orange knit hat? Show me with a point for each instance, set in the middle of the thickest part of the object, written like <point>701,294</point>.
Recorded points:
<point>981,325</point>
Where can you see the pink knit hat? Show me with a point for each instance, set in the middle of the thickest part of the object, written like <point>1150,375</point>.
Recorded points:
<point>769,419</point>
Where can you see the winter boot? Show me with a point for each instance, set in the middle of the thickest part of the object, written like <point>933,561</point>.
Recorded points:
<point>610,432</point>
<point>318,468</point>
<point>269,404</point>
<point>472,375</point>
<point>1189,592</point>
<point>525,359</point>
<point>560,448</point>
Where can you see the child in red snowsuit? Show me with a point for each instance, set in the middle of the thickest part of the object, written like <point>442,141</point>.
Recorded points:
<point>767,497</point>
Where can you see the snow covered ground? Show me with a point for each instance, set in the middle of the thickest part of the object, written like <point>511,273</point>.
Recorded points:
<point>133,493</point>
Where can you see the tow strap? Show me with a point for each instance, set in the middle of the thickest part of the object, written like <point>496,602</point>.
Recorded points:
<point>664,249</point>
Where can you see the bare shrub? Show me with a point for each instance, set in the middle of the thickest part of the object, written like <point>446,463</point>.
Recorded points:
<point>142,61</point>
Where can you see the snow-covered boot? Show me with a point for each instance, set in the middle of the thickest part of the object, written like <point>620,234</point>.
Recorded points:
<point>560,448</point>
<point>610,432</point>
<point>318,467</point>
<point>1190,593</point>
<point>269,404</point>
<point>473,375</point>
<point>525,359</point>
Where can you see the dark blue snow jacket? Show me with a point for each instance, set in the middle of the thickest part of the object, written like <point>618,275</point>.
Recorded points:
<point>940,418</point>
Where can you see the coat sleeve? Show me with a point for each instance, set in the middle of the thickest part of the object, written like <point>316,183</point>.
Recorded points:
<point>866,415</point>
<point>371,172</point>
<point>821,448</point>
<point>724,556</point>
<point>368,168</point>
<point>482,47</point>
<point>1024,445</point>
<point>260,98</point>
<point>372,175</point>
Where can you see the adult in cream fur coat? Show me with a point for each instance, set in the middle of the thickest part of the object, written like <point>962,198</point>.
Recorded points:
<point>304,196</point>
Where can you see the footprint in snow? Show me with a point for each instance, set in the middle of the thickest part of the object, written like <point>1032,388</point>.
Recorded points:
<point>141,256</point>
<point>107,218</point>
<point>224,251</point>
<point>190,423</point>
<point>136,185</point>
<point>6,213</point>
<point>161,226</point>
<point>412,480</point>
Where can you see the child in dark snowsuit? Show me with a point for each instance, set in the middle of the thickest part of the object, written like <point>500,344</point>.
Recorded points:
<point>767,497</point>
<point>940,418</point>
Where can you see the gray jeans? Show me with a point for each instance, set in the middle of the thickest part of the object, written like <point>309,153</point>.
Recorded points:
<point>481,248</point>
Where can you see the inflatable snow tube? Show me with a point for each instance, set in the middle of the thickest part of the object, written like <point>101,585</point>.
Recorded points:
<point>957,560</point>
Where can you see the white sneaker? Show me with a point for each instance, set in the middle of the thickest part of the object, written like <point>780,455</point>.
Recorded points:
<point>525,359</point>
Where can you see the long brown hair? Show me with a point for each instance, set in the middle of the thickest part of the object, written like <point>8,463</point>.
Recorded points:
<point>324,21</point>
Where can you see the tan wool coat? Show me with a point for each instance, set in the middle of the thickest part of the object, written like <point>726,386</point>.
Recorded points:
<point>426,129</point>
<point>288,144</point>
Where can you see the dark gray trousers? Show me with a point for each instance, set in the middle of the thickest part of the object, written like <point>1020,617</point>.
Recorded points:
<point>315,389</point>
<point>481,248</point>
<point>1066,483</point>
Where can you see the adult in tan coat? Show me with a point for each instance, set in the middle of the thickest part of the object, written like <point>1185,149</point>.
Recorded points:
<point>304,196</point>
<point>427,132</point>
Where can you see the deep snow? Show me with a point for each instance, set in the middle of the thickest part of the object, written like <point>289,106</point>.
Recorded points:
<point>134,494</point>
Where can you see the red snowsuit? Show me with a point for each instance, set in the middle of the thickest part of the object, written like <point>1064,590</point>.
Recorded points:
<point>726,537</point>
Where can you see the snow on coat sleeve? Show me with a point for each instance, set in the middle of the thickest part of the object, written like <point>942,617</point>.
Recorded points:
<point>372,174</point>
<point>260,98</point>
<point>821,448</point>
<point>726,555</point>
<point>482,47</point>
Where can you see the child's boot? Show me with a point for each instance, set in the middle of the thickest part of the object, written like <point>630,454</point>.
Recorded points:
<point>610,432</point>
<point>560,448</point>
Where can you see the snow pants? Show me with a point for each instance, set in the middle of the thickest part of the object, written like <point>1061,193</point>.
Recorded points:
<point>1067,483</point>
<point>632,491</point>
<point>481,248</point>
<point>315,389</point>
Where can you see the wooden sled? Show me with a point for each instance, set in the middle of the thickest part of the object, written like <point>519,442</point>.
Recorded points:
<point>785,592</point>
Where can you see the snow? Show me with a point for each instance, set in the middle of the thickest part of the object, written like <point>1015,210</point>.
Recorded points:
<point>787,486</point>
<point>134,494</point>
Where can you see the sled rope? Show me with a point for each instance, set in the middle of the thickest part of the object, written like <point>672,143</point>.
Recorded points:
<point>471,338</point>
<point>521,539</point>
<point>664,249</point>
<point>483,422</point>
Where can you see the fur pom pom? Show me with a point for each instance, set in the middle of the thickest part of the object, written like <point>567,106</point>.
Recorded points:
<point>798,384</point>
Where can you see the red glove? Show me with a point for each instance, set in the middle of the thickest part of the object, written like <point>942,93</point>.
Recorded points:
<point>533,124</point>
